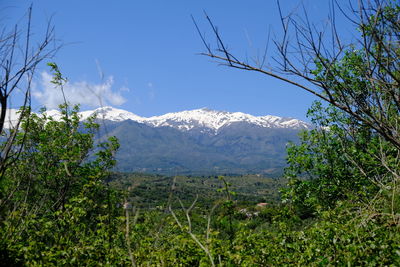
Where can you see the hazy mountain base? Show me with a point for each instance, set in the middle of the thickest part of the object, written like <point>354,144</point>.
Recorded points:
<point>239,148</point>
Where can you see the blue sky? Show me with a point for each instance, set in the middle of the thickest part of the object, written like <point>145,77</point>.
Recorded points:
<point>148,54</point>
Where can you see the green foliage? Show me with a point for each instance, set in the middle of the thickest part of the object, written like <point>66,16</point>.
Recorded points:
<point>54,164</point>
<point>58,78</point>
<point>338,238</point>
<point>346,235</point>
<point>351,154</point>
<point>57,208</point>
<point>339,160</point>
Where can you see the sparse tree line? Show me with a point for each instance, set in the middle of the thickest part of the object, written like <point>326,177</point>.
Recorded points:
<point>341,205</point>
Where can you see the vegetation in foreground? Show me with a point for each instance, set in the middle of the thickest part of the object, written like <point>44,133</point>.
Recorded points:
<point>62,206</point>
<point>341,205</point>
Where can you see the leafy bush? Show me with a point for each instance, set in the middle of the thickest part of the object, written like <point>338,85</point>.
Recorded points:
<point>57,207</point>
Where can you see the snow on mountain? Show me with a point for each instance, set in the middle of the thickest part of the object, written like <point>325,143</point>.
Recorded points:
<point>215,120</point>
<point>198,118</point>
<point>203,119</point>
<point>111,114</point>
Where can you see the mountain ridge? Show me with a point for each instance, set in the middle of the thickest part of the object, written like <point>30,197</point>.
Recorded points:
<point>187,119</point>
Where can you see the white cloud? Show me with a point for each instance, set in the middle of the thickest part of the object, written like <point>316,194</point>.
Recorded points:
<point>83,92</point>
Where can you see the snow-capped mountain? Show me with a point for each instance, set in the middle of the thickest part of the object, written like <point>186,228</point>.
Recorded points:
<point>200,141</point>
<point>204,118</point>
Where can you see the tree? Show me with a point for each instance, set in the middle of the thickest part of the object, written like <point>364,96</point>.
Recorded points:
<point>19,59</point>
<point>339,162</point>
<point>361,79</point>
<point>54,196</point>
<point>56,189</point>
<point>358,134</point>
<point>345,172</point>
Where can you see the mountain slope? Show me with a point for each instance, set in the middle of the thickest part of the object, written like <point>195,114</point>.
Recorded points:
<point>237,149</point>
